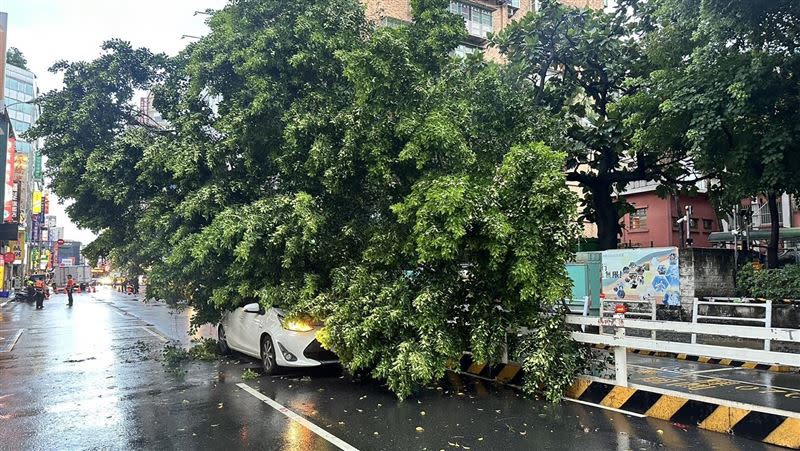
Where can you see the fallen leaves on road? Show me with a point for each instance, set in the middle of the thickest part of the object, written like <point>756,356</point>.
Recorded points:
<point>420,429</point>
<point>681,426</point>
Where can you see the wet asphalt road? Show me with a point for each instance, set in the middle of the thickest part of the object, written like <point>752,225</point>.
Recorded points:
<point>91,377</point>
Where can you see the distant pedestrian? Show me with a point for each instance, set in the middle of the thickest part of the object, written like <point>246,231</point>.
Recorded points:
<point>30,290</point>
<point>70,287</point>
<point>39,295</point>
<point>135,283</point>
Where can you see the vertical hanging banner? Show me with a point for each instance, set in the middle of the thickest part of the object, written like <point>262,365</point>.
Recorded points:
<point>37,166</point>
<point>19,248</point>
<point>5,127</point>
<point>15,202</point>
<point>8,197</point>
<point>36,202</point>
<point>20,166</point>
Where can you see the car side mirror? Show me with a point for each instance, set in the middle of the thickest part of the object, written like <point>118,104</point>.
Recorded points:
<point>255,307</point>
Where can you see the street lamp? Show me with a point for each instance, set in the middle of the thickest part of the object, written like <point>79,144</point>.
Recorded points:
<point>19,102</point>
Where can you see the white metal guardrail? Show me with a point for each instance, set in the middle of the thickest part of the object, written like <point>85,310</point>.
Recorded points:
<point>645,308</point>
<point>734,302</point>
<point>621,343</point>
<point>578,306</point>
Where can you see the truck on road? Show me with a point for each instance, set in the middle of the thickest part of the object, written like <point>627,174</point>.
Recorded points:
<point>82,274</point>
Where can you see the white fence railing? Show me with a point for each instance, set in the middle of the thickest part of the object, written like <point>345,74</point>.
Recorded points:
<point>734,302</point>
<point>621,343</point>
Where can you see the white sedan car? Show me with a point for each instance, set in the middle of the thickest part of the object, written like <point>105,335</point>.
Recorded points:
<point>267,335</point>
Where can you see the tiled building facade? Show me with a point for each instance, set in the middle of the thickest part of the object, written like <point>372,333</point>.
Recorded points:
<point>480,17</point>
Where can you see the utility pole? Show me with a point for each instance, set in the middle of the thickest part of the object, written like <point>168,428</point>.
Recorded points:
<point>687,218</point>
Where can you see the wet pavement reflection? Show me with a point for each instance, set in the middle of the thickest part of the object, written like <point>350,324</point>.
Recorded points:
<point>92,377</point>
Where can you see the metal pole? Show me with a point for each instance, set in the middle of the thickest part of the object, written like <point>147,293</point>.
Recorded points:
<point>694,318</point>
<point>768,322</point>
<point>620,351</point>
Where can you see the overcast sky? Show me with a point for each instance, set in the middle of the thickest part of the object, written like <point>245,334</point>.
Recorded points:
<point>50,30</point>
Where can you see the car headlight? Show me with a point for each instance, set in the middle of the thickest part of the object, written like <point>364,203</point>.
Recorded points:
<point>297,324</point>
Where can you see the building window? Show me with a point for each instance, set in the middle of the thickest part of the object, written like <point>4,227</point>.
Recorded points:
<point>708,224</point>
<point>393,22</point>
<point>761,215</point>
<point>477,19</point>
<point>693,223</point>
<point>20,127</point>
<point>513,3</point>
<point>463,50</point>
<point>639,219</point>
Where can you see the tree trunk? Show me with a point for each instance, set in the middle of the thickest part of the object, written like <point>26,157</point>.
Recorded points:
<point>772,247</point>
<point>606,216</point>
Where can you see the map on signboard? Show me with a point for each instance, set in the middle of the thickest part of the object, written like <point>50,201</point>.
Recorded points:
<point>647,274</point>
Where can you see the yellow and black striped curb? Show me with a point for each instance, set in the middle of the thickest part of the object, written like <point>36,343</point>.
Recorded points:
<point>704,359</point>
<point>765,427</point>
<point>503,373</point>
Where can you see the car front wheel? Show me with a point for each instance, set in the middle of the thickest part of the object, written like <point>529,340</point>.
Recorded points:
<point>222,343</point>
<point>268,361</point>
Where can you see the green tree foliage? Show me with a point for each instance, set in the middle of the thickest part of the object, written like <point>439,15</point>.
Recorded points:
<point>775,284</point>
<point>95,143</point>
<point>360,175</point>
<point>730,78</point>
<point>14,56</point>
<point>581,69</point>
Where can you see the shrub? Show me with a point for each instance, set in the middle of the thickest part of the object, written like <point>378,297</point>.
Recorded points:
<point>783,283</point>
<point>550,358</point>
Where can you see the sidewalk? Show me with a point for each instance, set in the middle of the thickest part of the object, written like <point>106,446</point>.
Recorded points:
<point>756,387</point>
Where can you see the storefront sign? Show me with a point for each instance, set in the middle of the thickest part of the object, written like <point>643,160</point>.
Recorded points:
<point>20,166</point>
<point>8,197</point>
<point>4,142</point>
<point>37,166</point>
<point>36,203</point>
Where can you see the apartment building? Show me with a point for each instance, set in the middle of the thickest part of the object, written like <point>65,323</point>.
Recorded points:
<point>654,220</point>
<point>480,17</point>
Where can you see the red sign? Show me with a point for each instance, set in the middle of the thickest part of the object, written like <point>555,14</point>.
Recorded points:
<point>8,183</point>
<point>60,242</point>
<point>9,257</point>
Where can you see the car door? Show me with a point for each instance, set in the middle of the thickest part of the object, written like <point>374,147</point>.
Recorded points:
<point>233,329</point>
<point>253,325</point>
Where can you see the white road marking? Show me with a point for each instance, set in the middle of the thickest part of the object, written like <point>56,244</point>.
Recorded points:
<point>160,337</point>
<point>4,304</point>
<point>626,412</point>
<point>335,441</point>
<point>715,370</point>
<point>737,381</point>
<point>10,345</point>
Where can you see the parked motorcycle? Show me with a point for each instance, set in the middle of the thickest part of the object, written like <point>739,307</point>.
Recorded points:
<point>21,295</point>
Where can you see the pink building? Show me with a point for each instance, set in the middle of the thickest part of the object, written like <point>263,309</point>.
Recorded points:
<point>654,222</point>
